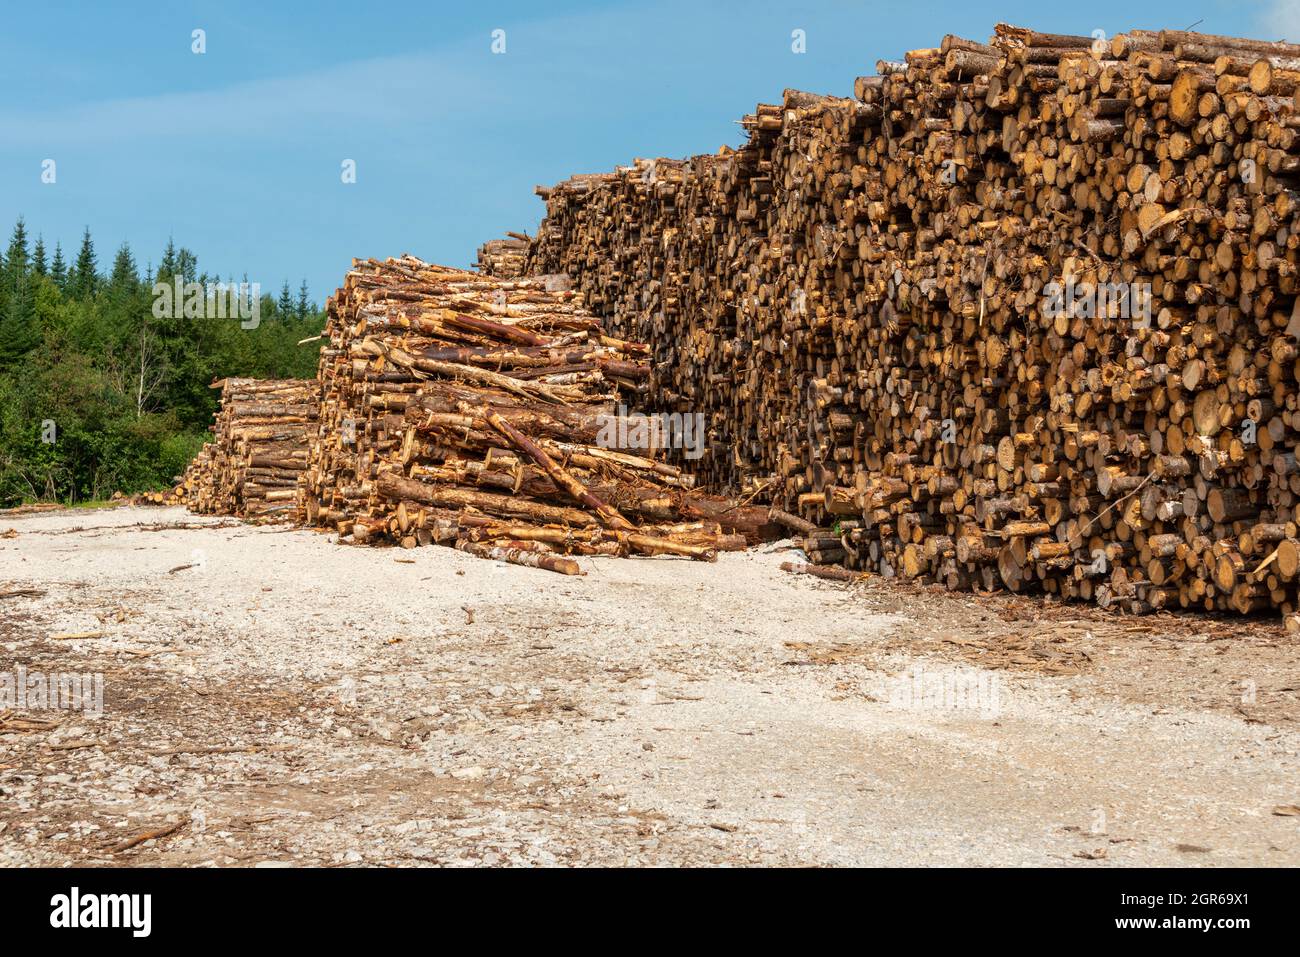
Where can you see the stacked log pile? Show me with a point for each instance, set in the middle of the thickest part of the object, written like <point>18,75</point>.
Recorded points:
<point>475,412</point>
<point>194,488</point>
<point>167,497</point>
<point>503,258</point>
<point>1016,314</point>
<point>258,453</point>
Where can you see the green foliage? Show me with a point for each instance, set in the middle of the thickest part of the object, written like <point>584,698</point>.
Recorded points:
<point>58,268</point>
<point>125,394</point>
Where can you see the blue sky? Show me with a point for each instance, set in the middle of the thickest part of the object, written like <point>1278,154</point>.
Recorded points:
<point>237,152</point>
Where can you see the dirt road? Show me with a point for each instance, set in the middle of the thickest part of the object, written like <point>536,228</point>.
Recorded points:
<point>285,700</point>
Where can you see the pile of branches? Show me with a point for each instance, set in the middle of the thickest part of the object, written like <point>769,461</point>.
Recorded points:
<point>1015,314</point>
<point>464,410</point>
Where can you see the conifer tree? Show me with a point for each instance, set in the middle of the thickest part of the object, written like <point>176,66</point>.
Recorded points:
<point>84,280</point>
<point>124,275</point>
<point>18,327</point>
<point>16,262</point>
<point>58,268</point>
<point>284,306</point>
<point>169,265</point>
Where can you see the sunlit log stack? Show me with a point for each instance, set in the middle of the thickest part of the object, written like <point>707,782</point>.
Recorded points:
<point>503,258</point>
<point>253,464</point>
<point>468,411</point>
<point>917,313</point>
<point>194,488</point>
<point>166,497</point>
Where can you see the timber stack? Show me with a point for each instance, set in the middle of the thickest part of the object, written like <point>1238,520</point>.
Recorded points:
<point>1015,314</point>
<point>503,258</point>
<point>253,465</point>
<point>482,413</point>
<point>194,488</point>
<point>165,498</point>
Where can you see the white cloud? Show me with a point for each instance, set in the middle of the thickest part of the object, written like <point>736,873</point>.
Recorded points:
<point>364,94</point>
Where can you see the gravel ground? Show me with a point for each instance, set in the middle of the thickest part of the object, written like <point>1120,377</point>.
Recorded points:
<point>272,698</point>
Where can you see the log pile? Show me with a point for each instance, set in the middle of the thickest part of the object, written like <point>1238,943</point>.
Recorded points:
<point>149,499</point>
<point>195,488</point>
<point>503,258</point>
<point>259,450</point>
<point>475,412</point>
<point>1016,314</point>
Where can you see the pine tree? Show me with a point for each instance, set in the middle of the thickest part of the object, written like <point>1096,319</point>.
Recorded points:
<point>124,275</point>
<point>124,291</point>
<point>169,265</point>
<point>58,268</point>
<point>84,280</point>
<point>187,264</point>
<point>13,276</point>
<point>284,306</point>
<point>16,261</point>
<point>19,331</point>
<point>38,257</point>
<point>304,303</point>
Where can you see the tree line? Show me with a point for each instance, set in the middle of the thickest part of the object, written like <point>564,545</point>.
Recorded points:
<point>102,391</point>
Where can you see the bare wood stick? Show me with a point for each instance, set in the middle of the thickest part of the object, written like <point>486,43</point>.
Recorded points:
<point>147,836</point>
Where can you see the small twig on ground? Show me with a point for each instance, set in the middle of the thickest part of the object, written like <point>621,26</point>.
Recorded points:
<point>23,593</point>
<point>244,749</point>
<point>10,723</point>
<point>147,836</point>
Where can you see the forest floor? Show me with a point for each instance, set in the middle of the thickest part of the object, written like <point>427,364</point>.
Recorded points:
<point>272,698</point>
